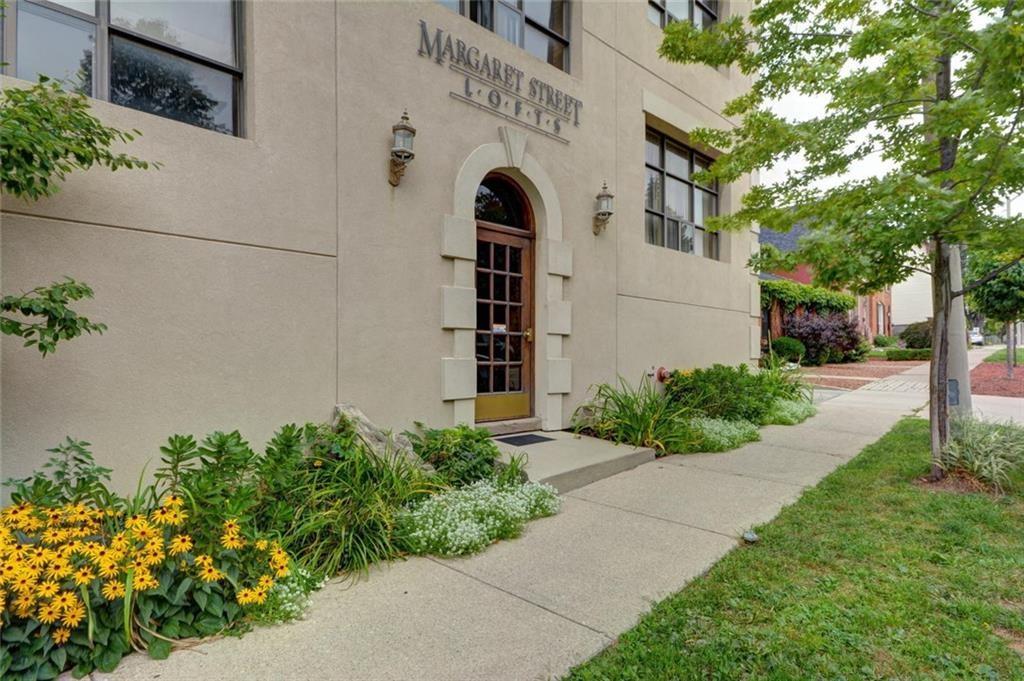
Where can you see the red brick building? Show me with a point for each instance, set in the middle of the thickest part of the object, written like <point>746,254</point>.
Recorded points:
<point>873,312</point>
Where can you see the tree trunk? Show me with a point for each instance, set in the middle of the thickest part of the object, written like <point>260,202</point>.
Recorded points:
<point>938,383</point>
<point>942,287</point>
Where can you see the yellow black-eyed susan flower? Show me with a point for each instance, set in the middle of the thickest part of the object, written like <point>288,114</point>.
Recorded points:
<point>113,590</point>
<point>208,573</point>
<point>181,543</point>
<point>48,613</point>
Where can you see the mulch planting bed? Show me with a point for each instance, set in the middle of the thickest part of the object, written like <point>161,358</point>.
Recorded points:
<point>851,376</point>
<point>990,379</point>
<point>955,483</point>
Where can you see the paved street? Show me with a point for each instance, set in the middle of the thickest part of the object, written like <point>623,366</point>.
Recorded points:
<point>534,607</point>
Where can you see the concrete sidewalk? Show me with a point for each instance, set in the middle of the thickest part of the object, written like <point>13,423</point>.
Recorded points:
<point>534,607</point>
<point>915,381</point>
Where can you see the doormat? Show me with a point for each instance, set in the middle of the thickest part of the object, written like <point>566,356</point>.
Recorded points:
<point>522,440</point>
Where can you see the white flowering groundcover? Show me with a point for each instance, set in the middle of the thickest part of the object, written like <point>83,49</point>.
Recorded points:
<point>790,412</point>
<point>466,520</point>
<point>720,435</point>
<point>289,599</point>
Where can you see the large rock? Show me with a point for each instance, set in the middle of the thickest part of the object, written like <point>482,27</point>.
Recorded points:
<point>379,440</point>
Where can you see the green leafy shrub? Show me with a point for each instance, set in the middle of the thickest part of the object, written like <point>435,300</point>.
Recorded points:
<point>907,354</point>
<point>789,348</point>
<point>641,416</point>
<point>987,451</point>
<point>859,353</point>
<point>789,412</point>
<point>215,477</point>
<point>721,392</point>
<point>917,336</point>
<point>466,520</point>
<point>720,435</point>
<point>883,341</point>
<point>460,455</point>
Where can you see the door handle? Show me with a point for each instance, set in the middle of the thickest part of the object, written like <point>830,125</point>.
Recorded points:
<point>528,335</point>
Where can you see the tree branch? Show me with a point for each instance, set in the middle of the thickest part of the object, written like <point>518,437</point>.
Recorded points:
<point>988,277</point>
<point>921,10</point>
<point>983,67</point>
<point>802,34</point>
<point>996,156</point>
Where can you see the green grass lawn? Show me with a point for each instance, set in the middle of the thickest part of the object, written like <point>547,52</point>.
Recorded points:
<point>867,576</point>
<point>1000,356</point>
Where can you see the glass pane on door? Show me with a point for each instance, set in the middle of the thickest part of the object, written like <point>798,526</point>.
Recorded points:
<point>500,292</point>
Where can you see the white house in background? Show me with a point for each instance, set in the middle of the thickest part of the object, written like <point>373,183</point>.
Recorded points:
<point>911,301</point>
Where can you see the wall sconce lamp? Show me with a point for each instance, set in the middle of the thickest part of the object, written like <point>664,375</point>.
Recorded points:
<point>401,149</point>
<point>605,209</point>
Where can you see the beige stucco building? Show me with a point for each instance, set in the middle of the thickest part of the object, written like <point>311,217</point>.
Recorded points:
<point>260,277</point>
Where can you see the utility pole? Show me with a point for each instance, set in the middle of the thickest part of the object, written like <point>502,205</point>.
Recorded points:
<point>959,372</point>
<point>1011,327</point>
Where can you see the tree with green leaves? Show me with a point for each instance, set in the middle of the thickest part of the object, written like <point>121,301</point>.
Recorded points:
<point>56,320</point>
<point>930,90</point>
<point>1000,299</point>
<point>46,133</point>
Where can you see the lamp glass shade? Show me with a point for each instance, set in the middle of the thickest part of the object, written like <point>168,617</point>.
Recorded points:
<point>403,138</point>
<point>604,204</point>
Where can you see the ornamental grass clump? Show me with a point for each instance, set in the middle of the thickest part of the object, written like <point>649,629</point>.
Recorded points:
<point>641,416</point>
<point>466,520</point>
<point>778,381</point>
<point>720,435</point>
<point>333,500</point>
<point>986,451</point>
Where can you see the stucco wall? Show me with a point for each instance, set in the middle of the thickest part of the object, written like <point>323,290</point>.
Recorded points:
<point>202,336</point>
<point>255,281</point>
<point>217,274</point>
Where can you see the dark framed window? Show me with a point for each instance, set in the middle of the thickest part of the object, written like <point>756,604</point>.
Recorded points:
<point>703,13</point>
<point>676,206</point>
<point>179,60</point>
<point>541,27</point>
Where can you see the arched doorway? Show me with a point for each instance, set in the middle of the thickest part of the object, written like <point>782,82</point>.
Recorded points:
<point>504,300</point>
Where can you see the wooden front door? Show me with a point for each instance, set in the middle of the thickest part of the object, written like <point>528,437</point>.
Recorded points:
<point>504,322</point>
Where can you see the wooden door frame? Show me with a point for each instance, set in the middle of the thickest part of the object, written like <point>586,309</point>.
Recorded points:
<point>526,239</point>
